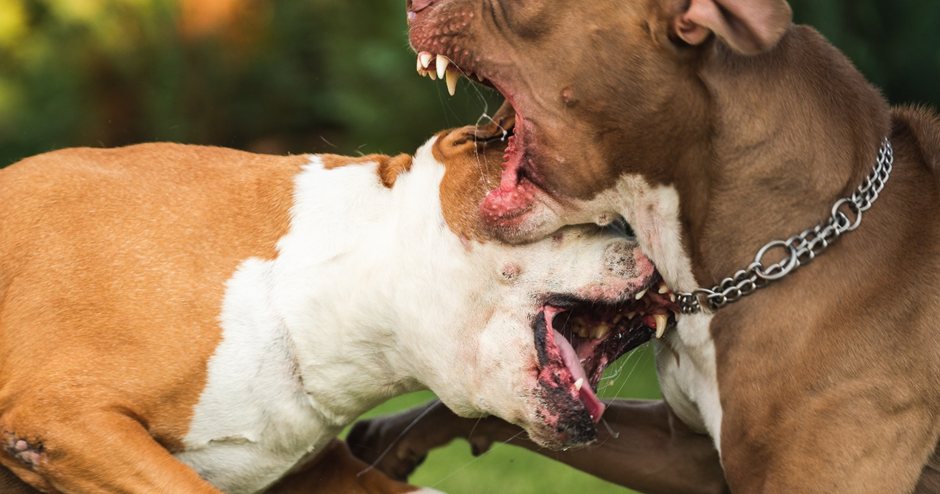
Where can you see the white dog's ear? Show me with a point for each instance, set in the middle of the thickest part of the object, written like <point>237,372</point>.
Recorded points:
<point>749,27</point>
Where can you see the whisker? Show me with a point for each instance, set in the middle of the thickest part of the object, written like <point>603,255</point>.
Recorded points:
<point>623,382</point>
<point>474,460</point>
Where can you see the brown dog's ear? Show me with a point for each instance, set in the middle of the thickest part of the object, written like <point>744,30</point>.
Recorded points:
<point>749,27</point>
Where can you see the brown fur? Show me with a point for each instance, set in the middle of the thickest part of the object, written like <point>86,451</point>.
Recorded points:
<point>113,265</point>
<point>828,379</point>
<point>337,470</point>
<point>473,169</point>
<point>110,271</point>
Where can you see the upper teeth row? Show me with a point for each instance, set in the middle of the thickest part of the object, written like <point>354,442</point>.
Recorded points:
<point>445,70</point>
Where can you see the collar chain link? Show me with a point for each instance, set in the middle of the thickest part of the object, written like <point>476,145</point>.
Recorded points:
<point>799,250</point>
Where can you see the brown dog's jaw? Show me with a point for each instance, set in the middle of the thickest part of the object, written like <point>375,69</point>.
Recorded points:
<point>567,144</point>
<point>440,33</point>
<point>507,205</point>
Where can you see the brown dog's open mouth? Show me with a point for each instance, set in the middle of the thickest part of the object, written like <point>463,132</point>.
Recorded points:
<point>577,339</point>
<point>518,183</point>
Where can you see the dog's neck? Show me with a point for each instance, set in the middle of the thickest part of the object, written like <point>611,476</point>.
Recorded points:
<point>783,145</point>
<point>357,303</point>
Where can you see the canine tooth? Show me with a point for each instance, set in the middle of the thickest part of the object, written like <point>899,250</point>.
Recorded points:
<point>662,288</point>
<point>661,321</point>
<point>672,297</point>
<point>479,77</point>
<point>600,331</point>
<point>424,59</point>
<point>579,383</point>
<point>641,294</point>
<point>452,77</point>
<point>442,63</point>
<point>631,315</point>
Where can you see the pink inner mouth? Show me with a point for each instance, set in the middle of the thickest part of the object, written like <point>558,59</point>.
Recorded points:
<point>576,339</point>
<point>515,196</point>
<point>512,157</point>
<point>572,361</point>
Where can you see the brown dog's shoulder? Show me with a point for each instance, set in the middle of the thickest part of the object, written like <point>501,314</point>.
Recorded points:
<point>921,124</point>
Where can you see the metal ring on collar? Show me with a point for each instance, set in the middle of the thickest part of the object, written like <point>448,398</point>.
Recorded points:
<point>839,209</point>
<point>785,265</point>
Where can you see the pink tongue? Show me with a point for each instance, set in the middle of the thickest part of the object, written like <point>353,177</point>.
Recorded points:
<point>593,405</point>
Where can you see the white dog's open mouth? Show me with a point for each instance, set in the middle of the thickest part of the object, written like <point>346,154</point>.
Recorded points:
<point>577,339</point>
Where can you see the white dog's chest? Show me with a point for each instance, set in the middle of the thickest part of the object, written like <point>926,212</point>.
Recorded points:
<point>685,362</point>
<point>239,464</point>
<point>253,422</point>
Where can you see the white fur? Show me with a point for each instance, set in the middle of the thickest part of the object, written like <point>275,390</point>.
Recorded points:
<point>690,388</point>
<point>371,295</point>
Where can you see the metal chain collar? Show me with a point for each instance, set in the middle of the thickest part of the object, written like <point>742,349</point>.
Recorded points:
<point>800,249</point>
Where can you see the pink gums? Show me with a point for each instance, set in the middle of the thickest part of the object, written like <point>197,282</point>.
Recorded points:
<point>508,203</point>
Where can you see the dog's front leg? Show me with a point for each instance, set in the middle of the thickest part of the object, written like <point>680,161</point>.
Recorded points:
<point>97,452</point>
<point>651,449</point>
<point>337,470</point>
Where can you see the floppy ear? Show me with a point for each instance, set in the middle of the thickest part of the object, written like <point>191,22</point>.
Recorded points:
<point>390,167</point>
<point>749,27</point>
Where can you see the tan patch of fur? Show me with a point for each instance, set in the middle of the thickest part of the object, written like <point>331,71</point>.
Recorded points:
<point>471,170</point>
<point>113,265</point>
<point>389,167</point>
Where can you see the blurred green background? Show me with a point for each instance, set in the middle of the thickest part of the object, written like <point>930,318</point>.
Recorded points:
<point>330,76</point>
<point>306,75</point>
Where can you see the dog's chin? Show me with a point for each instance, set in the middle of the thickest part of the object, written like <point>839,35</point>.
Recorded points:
<point>573,434</point>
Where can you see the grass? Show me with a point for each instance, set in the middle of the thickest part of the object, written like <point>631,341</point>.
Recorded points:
<point>508,469</point>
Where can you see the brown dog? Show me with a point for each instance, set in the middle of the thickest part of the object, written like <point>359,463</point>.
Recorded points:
<point>716,127</point>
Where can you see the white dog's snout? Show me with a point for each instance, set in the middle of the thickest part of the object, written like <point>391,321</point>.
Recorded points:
<point>620,260</point>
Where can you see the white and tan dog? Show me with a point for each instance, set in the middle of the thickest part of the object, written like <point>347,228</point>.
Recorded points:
<point>193,319</point>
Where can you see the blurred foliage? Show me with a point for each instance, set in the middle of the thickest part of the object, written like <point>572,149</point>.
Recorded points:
<point>895,43</point>
<point>278,76</point>
<point>305,75</point>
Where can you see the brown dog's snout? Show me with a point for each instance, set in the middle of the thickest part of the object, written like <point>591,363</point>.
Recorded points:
<point>419,5</point>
